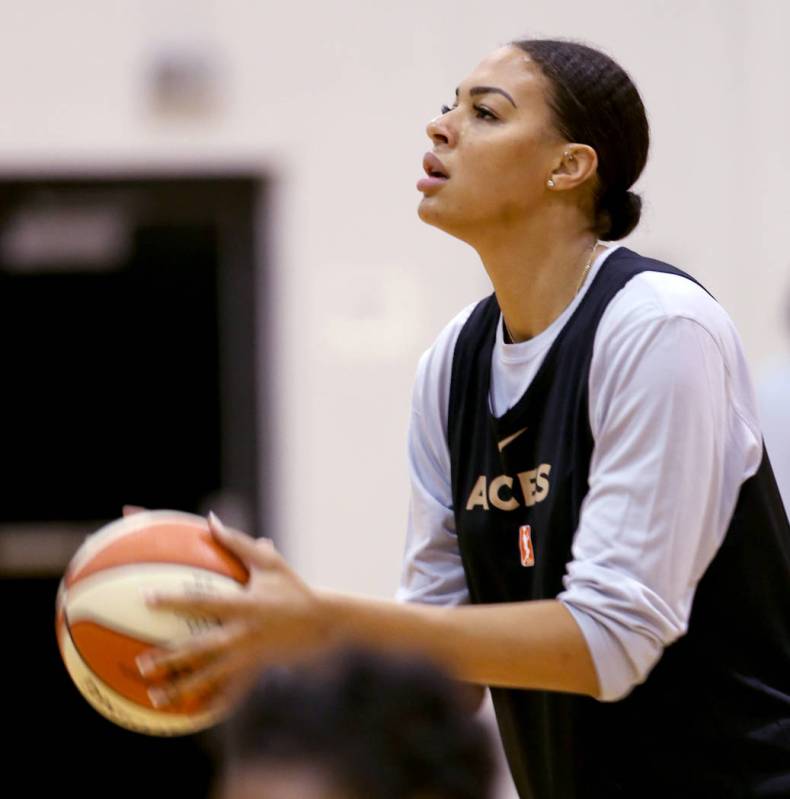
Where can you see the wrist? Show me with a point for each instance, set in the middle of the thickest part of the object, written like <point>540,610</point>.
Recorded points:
<point>328,618</point>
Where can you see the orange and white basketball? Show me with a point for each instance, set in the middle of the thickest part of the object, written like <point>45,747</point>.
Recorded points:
<point>103,622</point>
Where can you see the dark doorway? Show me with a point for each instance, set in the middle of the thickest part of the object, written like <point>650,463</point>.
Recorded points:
<point>129,354</point>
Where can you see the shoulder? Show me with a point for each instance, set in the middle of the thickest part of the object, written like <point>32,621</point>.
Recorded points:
<point>652,301</point>
<point>670,330</point>
<point>428,451</point>
<point>434,369</point>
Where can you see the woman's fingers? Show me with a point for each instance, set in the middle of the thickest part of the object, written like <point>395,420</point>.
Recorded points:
<point>219,606</point>
<point>189,656</point>
<point>272,615</point>
<point>130,510</point>
<point>258,552</point>
<point>224,677</point>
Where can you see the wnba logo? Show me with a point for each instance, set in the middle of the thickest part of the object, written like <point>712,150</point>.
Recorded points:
<point>525,545</point>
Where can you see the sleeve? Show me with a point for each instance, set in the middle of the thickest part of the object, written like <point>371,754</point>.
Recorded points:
<point>432,568</point>
<point>670,454</point>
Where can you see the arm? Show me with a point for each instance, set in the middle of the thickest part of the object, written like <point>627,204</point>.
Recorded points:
<point>279,619</point>
<point>517,645</point>
<point>432,569</point>
<point>675,439</point>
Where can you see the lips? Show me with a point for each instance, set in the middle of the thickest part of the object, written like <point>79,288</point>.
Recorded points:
<point>433,167</point>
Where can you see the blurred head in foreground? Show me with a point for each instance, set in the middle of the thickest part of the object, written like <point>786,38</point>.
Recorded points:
<point>358,726</point>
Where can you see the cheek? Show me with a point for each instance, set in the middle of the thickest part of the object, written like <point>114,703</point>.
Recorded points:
<point>496,180</point>
<point>509,175</point>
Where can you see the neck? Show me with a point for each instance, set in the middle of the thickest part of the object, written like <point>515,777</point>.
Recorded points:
<point>536,272</point>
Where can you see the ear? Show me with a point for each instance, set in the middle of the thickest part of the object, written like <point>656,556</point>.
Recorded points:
<point>577,164</point>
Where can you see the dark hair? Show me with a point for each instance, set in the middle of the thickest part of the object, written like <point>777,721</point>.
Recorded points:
<point>595,102</point>
<point>388,726</point>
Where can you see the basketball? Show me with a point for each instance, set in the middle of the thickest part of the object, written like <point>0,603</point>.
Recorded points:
<point>103,623</point>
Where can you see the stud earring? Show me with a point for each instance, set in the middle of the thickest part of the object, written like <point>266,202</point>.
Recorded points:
<point>550,183</point>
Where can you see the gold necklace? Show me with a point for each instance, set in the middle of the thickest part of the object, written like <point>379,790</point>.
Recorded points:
<point>586,269</point>
<point>578,288</point>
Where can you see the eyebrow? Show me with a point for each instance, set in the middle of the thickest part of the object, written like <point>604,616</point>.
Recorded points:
<point>489,90</point>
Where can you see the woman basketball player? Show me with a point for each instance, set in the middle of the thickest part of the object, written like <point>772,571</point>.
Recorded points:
<point>595,530</point>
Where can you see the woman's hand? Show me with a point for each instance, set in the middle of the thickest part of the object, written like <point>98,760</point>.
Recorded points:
<point>130,510</point>
<point>275,619</point>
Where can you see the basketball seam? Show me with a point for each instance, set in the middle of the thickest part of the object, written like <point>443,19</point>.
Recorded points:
<point>120,629</point>
<point>112,624</point>
<point>146,565</point>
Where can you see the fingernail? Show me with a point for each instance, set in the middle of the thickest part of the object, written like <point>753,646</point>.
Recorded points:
<point>216,521</point>
<point>158,697</point>
<point>145,665</point>
<point>150,597</point>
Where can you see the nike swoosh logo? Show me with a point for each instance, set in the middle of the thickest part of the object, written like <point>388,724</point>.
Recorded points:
<point>505,441</point>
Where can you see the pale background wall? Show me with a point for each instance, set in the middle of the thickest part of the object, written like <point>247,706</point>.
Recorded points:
<point>331,100</point>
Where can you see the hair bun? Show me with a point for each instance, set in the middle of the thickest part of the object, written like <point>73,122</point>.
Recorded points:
<point>623,210</point>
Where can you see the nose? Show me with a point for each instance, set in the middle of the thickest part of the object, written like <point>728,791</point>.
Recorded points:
<point>440,131</point>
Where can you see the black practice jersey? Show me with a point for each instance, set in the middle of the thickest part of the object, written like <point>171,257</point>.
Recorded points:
<point>713,717</point>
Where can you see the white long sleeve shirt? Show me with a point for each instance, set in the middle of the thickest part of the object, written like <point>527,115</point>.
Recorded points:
<point>674,421</point>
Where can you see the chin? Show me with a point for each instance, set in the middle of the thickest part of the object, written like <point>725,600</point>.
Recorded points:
<point>432,214</point>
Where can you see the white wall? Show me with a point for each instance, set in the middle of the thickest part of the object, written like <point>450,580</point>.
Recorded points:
<point>331,98</point>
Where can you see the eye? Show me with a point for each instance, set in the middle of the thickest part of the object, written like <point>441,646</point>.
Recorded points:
<point>483,113</point>
<point>480,111</point>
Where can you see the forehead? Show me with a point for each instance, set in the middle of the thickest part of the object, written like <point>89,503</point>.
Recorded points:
<point>511,69</point>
